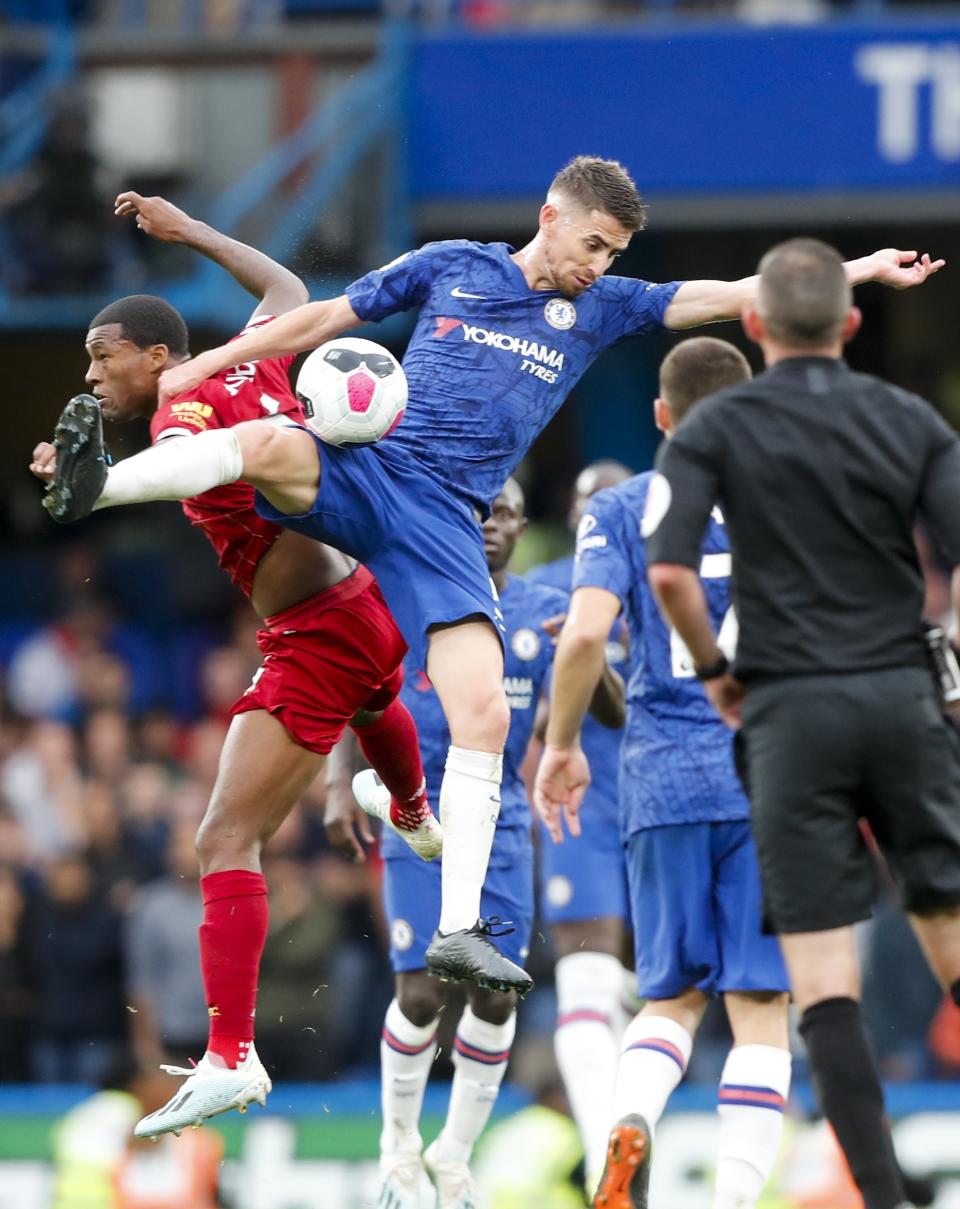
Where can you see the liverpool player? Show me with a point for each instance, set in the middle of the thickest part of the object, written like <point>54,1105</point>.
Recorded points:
<point>332,652</point>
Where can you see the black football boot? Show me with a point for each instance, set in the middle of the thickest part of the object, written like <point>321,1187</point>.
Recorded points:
<point>82,461</point>
<point>469,955</point>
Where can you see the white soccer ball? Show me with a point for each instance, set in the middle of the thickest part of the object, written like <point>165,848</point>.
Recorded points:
<point>354,392</point>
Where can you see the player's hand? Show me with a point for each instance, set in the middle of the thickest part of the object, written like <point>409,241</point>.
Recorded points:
<point>727,694</point>
<point>156,216</point>
<point>553,626</point>
<point>44,463</point>
<point>901,270</point>
<point>562,780</point>
<point>182,378</point>
<point>346,825</point>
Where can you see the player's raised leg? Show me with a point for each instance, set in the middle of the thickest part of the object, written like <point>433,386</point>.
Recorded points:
<point>263,773</point>
<point>465,664</point>
<point>279,460</point>
<point>394,788</point>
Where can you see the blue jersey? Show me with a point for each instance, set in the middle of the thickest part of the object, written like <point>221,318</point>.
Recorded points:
<point>601,745</point>
<point>676,759</point>
<point>490,360</point>
<point>528,658</point>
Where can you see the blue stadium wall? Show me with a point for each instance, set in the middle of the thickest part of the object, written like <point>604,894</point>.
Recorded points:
<point>858,107</point>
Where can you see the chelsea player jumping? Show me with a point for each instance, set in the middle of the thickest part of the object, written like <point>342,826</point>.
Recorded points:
<point>691,862</point>
<point>501,339</point>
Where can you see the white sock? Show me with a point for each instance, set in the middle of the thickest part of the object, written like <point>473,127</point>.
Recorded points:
<point>753,1088</point>
<point>175,469</point>
<point>656,1051</point>
<point>587,1043</point>
<point>480,1055</point>
<point>469,807</point>
<point>406,1055</point>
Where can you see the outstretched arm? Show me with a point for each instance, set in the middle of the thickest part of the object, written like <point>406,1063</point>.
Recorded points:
<point>697,302</point>
<point>305,327</point>
<point>277,288</point>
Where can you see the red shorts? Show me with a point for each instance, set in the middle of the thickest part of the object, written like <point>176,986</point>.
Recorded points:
<point>326,658</point>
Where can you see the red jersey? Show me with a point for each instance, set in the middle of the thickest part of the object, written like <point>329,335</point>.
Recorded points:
<point>250,391</point>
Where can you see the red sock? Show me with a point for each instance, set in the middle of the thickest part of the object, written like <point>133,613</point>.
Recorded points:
<point>392,749</point>
<point>232,937</point>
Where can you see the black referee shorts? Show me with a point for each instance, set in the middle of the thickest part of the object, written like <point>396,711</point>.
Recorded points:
<point>822,752</point>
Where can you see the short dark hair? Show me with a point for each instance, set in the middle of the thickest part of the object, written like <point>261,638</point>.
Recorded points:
<point>699,367</point>
<point>145,320</point>
<point>804,296</point>
<point>605,185</point>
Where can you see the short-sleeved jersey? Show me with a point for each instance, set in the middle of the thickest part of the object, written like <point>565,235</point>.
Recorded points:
<point>528,657</point>
<point>601,744</point>
<point>227,516</point>
<point>490,360</point>
<point>668,712</point>
<point>822,474</point>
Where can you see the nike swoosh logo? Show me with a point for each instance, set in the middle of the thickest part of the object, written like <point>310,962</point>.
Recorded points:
<point>456,292</point>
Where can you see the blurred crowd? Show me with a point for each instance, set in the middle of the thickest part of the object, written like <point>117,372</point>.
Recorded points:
<point>101,791</point>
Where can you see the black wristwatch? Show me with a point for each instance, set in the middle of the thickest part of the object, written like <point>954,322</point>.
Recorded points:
<point>713,671</point>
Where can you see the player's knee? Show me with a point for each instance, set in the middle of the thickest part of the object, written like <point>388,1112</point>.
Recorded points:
<point>500,721</point>
<point>205,846</point>
<point>222,846</point>
<point>260,445</point>
<point>419,1002</point>
<point>482,721</point>
<point>493,1007</point>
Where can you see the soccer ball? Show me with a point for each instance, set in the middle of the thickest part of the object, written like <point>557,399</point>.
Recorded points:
<point>353,391</point>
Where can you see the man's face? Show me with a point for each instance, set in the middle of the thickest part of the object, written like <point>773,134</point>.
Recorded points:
<point>580,245</point>
<point>121,375</point>
<point>502,529</point>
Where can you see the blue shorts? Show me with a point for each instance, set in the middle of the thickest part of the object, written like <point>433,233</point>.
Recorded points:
<point>697,917</point>
<point>379,505</point>
<point>411,899</point>
<point>584,878</point>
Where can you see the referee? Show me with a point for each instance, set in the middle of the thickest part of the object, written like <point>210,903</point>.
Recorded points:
<point>821,474</point>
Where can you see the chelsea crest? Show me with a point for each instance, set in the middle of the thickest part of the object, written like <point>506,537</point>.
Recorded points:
<point>525,644</point>
<point>560,313</point>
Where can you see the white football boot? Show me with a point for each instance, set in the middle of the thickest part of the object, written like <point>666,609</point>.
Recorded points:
<point>426,839</point>
<point>401,1179</point>
<point>453,1181</point>
<point>209,1090</point>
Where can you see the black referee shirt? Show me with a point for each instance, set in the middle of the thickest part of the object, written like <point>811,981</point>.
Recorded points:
<point>821,474</point>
